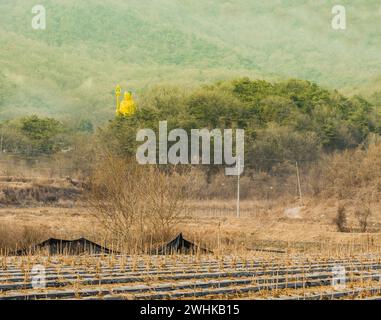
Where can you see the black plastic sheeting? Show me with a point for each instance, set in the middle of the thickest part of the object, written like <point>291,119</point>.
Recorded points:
<point>69,247</point>
<point>179,245</point>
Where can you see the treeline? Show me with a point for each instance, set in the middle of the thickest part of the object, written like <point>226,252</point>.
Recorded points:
<point>34,136</point>
<point>293,120</point>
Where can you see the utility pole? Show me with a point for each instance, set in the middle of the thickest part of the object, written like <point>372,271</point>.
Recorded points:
<point>238,191</point>
<point>1,141</point>
<point>298,177</point>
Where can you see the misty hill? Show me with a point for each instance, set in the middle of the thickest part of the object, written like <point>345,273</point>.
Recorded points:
<point>71,68</point>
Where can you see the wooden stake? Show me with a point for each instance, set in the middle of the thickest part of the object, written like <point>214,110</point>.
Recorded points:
<point>297,175</point>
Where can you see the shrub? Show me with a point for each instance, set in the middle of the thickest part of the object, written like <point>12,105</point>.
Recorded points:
<point>363,215</point>
<point>341,219</point>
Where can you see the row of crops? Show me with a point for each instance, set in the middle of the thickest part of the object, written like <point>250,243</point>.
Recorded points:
<point>201,277</point>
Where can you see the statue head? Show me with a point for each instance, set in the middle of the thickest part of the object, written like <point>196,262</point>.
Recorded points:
<point>127,95</point>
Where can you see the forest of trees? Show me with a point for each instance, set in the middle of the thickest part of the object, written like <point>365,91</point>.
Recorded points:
<point>70,69</point>
<point>294,120</point>
<point>34,136</point>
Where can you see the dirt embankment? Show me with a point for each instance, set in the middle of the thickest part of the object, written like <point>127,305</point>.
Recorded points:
<point>34,191</point>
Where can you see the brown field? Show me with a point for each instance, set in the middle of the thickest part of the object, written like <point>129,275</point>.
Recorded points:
<point>278,248</point>
<point>239,268</point>
<point>210,222</point>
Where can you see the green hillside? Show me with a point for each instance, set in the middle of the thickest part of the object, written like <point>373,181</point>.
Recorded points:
<point>71,68</point>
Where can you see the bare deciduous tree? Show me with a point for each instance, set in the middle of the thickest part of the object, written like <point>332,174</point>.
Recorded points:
<point>136,203</point>
<point>363,214</point>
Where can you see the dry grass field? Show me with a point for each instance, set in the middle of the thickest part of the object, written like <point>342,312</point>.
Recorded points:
<point>209,222</point>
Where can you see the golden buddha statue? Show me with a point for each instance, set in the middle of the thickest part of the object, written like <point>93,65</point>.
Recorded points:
<point>127,107</point>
